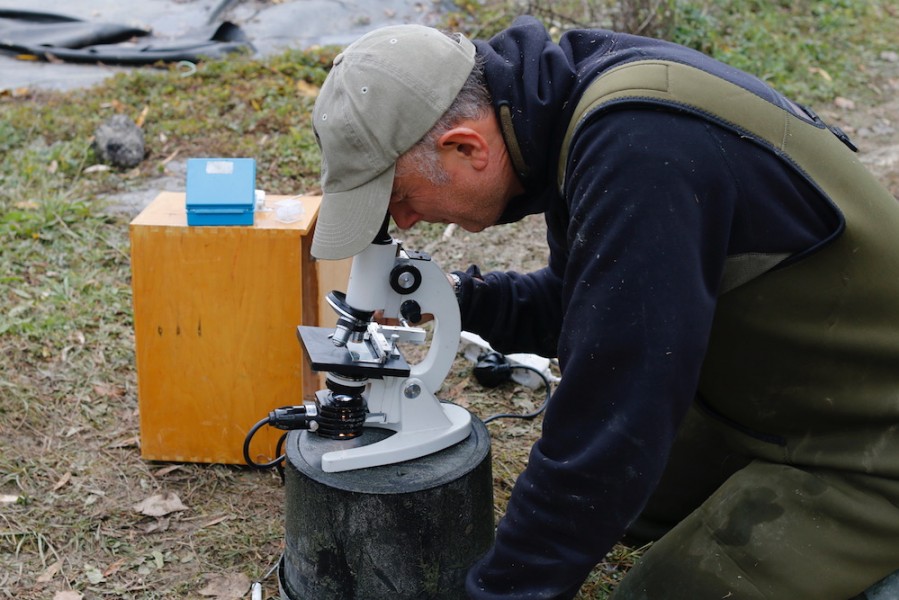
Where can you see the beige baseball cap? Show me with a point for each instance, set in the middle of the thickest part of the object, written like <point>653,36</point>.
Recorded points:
<point>384,93</point>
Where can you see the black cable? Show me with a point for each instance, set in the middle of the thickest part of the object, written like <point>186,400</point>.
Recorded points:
<point>280,465</point>
<point>531,415</point>
<point>246,448</point>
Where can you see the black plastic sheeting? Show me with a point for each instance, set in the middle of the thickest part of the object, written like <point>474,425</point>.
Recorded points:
<point>52,37</point>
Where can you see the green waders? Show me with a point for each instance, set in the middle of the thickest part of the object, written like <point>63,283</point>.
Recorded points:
<point>784,480</point>
<point>752,529</point>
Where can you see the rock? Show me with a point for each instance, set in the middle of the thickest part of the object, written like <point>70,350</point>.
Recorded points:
<point>119,142</point>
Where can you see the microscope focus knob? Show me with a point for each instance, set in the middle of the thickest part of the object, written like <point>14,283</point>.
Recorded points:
<point>411,311</point>
<point>405,279</point>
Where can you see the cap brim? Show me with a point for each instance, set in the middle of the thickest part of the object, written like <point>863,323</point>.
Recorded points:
<point>348,221</point>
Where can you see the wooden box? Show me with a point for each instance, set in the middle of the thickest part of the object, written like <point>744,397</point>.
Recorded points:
<point>215,317</point>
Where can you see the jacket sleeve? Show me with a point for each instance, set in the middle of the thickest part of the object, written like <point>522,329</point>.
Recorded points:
<point>515,312</point>
<point>644,250</point>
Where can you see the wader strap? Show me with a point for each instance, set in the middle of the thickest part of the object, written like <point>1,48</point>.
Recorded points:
<point>808,144</point>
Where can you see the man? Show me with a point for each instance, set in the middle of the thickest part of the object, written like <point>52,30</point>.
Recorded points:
<point>721,295</point>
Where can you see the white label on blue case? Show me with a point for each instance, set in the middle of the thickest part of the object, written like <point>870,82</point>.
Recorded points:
<point>219,167</point>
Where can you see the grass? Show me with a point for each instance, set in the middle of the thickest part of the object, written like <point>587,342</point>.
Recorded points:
<point>68,411</point>
<point>69,467</point>
<point>812,50</point>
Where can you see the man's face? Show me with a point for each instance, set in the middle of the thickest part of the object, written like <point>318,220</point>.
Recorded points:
<point>468,199</point>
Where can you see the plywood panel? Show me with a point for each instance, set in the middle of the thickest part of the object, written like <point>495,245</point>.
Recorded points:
<point>215,315</point>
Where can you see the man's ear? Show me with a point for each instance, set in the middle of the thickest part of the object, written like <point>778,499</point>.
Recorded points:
<point>466,144</point>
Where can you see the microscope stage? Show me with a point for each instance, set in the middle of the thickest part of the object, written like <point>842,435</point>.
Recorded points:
<point>323,355</point>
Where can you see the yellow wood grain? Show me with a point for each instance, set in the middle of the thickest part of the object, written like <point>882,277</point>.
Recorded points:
<point>215,315</point>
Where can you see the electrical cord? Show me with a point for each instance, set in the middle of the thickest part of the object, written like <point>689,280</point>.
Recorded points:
<point>256,587</point>
<point>246,447</point>
<point>493,369</point>
<point>276,463</point>
<point>286,418</point>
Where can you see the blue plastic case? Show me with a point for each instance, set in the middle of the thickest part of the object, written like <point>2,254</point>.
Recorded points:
<point>221,191</point>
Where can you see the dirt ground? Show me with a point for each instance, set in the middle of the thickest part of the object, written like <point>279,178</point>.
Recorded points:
<point>874,126</point>
<point>114,526</point>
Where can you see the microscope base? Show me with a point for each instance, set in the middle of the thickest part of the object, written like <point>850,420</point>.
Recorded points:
<point>403,531</point>
<point>404,445</point>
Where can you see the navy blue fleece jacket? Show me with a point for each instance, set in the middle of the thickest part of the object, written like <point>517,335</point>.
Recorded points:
<point>655,199</point>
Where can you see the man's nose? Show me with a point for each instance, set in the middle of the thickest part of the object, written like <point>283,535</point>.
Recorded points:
<point>404,217</point>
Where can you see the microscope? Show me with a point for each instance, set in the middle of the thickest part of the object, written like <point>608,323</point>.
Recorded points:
<point>369,382</point>
<point>388,491</point>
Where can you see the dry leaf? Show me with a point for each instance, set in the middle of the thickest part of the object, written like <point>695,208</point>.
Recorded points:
<point>108,390</point>
<point>72,431</point>
<point>93,574</point>
<point>845,103</point>
<point>50,572</point>
<point>160,525</point>
<point>455,393</point>
<point>226,586</point>
<point>160,505</point>
<point>128,442</point>
<point>67,595</point>
<point>62,481</point>
<point>114,567</point>
<point>142,117</point>
<point>215,521</point>
<point>166,470</point>
<point>821,72</point>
